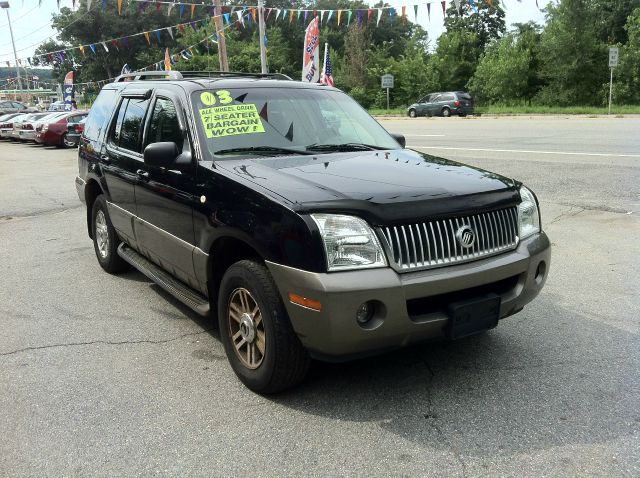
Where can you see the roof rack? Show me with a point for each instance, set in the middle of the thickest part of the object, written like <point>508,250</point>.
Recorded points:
<point>231,74</point>
<point>143,75</point>
<point>180,75</point>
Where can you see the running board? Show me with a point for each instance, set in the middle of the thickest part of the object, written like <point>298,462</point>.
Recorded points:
<point>173,286</point>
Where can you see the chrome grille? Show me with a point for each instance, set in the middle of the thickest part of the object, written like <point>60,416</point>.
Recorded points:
<point>434,244</point>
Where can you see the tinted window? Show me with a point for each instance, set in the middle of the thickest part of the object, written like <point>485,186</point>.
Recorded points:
<point>164,124</point>
<point>434,98</point>
<point>447,97</point>
<point>6,104</point>
<point>464,96</point>
<point>114,137</point>
<point>76,119</point>
<point>100,114</point>
<point>131,128</point>
<point>19,106</point>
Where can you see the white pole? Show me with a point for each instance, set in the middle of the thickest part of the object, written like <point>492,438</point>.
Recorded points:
<point>610,89</point>
<point>387,99</point>
<point>263,48</point>
<point>324,64</point>
<point>15,56</point>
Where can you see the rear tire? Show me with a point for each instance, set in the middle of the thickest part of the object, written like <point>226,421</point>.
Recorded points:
<point>446,112</point>
<point>262,348</point>
<point>67,143</point>
<point>105,238</point>
<point>63,140</point>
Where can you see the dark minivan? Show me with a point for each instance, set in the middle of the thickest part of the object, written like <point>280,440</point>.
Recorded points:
<point>284,210</point>
<point>443,104</point>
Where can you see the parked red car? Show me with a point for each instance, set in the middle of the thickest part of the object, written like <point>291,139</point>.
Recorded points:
<point>54,133</point>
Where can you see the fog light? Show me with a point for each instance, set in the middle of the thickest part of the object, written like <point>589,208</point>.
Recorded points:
<point>365,312</point>
<point>540,272</point>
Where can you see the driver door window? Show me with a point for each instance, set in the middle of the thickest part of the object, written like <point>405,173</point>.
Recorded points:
<point>164,125</point>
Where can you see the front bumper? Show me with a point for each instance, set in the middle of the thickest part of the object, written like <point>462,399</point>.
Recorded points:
<point>408,305</point>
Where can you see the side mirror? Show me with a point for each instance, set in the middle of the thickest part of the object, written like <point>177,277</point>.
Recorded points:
<point>166,155</point>
<point>398,137</point>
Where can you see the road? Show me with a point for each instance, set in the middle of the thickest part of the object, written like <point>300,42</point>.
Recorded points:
<point>108,376</point>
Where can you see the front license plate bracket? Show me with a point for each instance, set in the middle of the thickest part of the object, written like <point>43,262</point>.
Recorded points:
<point>473,316</point>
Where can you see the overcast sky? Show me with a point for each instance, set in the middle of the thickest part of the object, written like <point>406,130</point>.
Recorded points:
<point>31,24</point>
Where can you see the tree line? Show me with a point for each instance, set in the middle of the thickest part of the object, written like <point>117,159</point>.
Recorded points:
<point>561,63</point>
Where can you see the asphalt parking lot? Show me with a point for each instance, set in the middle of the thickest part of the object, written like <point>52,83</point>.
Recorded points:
<point>109,376</point>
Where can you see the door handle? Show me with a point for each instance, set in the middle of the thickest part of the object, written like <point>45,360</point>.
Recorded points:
<point>142,173</point>
<point>104,158</point>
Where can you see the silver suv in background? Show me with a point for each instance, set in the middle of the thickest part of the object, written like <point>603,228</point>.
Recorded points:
<point>7,107</point>
<point>443,104</point>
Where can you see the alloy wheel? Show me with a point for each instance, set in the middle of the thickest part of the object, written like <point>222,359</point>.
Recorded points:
<point>246,328</point>
<point>102,234</point>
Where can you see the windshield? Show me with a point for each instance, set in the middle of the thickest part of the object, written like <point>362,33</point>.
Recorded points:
<point>253,121</point>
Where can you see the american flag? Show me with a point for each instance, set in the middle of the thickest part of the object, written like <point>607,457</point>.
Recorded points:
<point>326,78</point>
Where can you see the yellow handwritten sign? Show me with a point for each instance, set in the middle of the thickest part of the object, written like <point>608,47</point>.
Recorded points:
<point>229,120</point>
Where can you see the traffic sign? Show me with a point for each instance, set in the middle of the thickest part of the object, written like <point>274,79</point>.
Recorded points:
<point>613,56</point>
<point>387,81</point>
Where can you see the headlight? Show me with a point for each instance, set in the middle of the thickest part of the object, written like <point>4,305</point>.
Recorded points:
<point>349,242</point>
<point>528,215</point>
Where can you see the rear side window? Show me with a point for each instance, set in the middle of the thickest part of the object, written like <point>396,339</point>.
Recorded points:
<point>100,114</point>
<point>447,97</point>
<point>164,124</point>
<point>127,132</point>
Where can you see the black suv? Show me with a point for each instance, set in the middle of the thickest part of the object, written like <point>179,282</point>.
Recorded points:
<point>289,213</point>
<point>443,104</point>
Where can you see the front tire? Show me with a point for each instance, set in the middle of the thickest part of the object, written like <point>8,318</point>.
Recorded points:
<point>105,239</point>
<point>262,348</point>
<point>412,113</point>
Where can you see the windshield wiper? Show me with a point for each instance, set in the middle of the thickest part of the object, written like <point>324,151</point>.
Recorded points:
<point>261,150</point>
<point>343,147</point>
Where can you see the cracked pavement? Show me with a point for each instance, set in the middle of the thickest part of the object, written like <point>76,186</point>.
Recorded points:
<point>109,376</point>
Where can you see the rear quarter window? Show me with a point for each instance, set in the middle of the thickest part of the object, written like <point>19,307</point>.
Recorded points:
<point>98,119</point>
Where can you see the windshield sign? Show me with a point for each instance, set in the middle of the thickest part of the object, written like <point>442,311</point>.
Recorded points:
<point>267,121</point>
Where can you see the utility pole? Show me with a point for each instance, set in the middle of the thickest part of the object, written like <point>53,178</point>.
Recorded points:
<point>263,47</point>
<point>5,6</point>
<point>222,42</point>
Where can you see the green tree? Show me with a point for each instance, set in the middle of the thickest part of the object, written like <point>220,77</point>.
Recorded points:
<point>487,24</point>
<point>508,71</point>
<point>82,27</point>
<point>627,74</point>
<point>503,72</point>
<point>467,36</point>
<point>573,59</point>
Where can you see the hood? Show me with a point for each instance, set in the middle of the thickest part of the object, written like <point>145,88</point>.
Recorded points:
<point>383,186</point>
